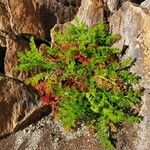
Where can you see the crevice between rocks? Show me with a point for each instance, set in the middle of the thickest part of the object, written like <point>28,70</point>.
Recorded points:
<point>2,58</point>
<point>137,1</point>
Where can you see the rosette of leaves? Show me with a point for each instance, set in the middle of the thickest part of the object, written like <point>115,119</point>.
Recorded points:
<point>92,82</point>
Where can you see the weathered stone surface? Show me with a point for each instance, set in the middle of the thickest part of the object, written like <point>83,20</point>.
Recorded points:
<point>3,1</point>
<point>133,23</point>
<point>4,25</point>
<point>75,3</point>
<point>113,4</point>
<point>19,106</point>
<point>91,12</point>
<point>24,18</point>
<point>14,44</point>
<point>146,4</point>
<point>4,20</point>
<point>2,41</point>
<point>63,10</point>
<point>47,135</point>
<point>37,17</point>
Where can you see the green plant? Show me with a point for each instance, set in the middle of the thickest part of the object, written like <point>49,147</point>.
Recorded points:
<point>85,73</point>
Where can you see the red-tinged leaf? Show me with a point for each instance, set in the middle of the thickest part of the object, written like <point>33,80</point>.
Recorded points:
<point>82,59</point>
<point>80,85</point>
<point>47,97</point>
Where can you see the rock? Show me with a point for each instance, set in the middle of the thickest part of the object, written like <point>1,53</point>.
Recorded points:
<point>4,20</point>
<point>2,41</point>
<point>5,27</point>
<point>146,4</point>
<point>24,19</point>
<point>3,1</point>
<point>133,23</point>
<point>37,17</point>
<point>47,135</point>
<point>14,44</point>
<point>19,106</point>
<point>91,12</point>
<point>75,3</point>
<point>113,4</point>
<point>24,24</point>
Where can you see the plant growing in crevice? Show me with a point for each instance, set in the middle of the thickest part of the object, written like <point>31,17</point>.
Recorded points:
<point>84,79</point>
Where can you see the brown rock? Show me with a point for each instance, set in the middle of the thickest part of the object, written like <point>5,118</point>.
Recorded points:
<point>4,25</point>
<point>75,3</point>
<point>2,41</point>
<point>14,44</point>
<point>4,20</point>
<point>37,17</point>
<point>19,106</point>
<point>24,18</point>
<point>2,1</point>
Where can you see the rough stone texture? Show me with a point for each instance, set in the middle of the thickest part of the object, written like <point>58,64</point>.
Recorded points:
<point>4,25</point>
<point>19,106</point>
<point>47,135</point>
<point>146,4</point>
<point>113,4</point>
<point>4,20</point>
<point>3,1</point>
<point>2,41</point>
<point>133,23</point>
<point>56,10</point>
<point>91,12</point>
<point>24,18</point>
<point>14,44</point>
<point>37,17</point>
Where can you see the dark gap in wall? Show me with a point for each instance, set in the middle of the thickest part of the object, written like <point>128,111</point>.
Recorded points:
<point>137,1</point>
<point>124,49</point>
<point>38,41</point>
<point>74,3</point>
<point>48,20</point>
<point>2,58</point>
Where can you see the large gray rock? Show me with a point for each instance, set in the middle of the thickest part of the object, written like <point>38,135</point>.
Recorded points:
<point>47,135</point>
<point>19,106</point>
<point>133,23</point>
